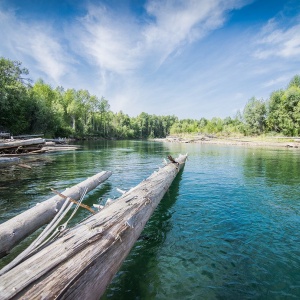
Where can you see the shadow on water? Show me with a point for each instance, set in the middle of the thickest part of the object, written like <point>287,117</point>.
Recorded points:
<point>132,280</point>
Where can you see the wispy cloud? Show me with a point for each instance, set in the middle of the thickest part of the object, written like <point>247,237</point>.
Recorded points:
<point>27,41</point>
<point>276,81</point>
<point>124,43</point>
<point>277,41</point>
<point>178,23</point>
<point>109,40</point>
<point>127,48</point>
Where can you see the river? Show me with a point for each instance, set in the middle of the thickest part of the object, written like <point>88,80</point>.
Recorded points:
<point>228,228</point>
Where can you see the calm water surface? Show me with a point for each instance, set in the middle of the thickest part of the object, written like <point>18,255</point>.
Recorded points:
<point>228,228</point>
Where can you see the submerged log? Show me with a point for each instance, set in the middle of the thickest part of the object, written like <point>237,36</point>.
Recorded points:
<point>81,263</point>
<point>16,229</point>
<point>9,161</point>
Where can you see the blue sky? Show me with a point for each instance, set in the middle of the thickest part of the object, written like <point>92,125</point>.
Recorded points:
<point>189,58</point>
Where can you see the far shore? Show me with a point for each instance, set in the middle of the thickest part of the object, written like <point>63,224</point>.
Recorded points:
<point>283,142</point>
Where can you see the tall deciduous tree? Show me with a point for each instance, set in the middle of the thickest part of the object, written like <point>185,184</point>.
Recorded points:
<point>13,96</point>
<point>255,116</point>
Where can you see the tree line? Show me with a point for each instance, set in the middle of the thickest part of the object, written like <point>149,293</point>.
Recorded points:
<point>31,108</point>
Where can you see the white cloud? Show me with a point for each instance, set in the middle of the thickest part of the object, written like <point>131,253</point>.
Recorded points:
<point>27,41</point>
<point>279,42</point>
<point>107,39</point>
<point>123,43</point>
<point>276,81</point>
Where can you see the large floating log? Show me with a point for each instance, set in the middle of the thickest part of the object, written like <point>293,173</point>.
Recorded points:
<point>16,229</point>
<point>12,144</point>
<point>81,263</point>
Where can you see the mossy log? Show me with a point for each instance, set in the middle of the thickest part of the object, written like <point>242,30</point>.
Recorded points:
<point>16,229</point>
<point>81,263</point>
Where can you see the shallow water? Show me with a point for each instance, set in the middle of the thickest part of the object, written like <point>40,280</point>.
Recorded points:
<point>228,228</point>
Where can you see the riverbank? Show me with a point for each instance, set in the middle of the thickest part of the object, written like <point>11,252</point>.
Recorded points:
<point>260,141</point>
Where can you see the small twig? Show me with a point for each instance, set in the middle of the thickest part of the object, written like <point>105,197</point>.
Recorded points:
<point>74,201</point>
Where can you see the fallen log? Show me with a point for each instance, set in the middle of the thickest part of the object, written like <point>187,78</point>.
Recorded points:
<point>12,144</point>
<point>16,229</point>
<point>35,152</point>
<point>81,263</point>
<point>60,148</point>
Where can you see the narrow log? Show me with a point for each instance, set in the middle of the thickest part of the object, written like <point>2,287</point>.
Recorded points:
<point>35,152</point>
<point>60,148</point>
<point>12,144</point>
<point>81,263</point>
<point>16,229</point>
<point>27,136</point>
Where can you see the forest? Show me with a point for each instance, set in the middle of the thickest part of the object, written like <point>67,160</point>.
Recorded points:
<point>38,108</point>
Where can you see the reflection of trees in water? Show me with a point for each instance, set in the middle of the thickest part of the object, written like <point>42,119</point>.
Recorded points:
<point>133,279</point>
<point>282,167</point>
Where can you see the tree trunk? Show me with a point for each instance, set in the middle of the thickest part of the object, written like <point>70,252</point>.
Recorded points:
<point>81,263</point>
<point>74,123</point>
<point>16,229</point>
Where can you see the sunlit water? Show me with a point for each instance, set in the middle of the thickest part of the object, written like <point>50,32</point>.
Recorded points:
<point>228,228</point>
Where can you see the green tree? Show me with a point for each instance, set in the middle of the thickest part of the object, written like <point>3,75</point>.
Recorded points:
<point>255,116</point>
<point>295,82</point>
<point>13,96</point>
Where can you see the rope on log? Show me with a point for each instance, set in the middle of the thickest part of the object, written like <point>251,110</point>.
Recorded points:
<point>18,228</point>
<point>74,201</point>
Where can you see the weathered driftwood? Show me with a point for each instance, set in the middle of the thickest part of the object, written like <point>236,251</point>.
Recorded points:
<point>81,263</point>
<point>16,229</point>
<point>60,148</point>
<point>12,144</point>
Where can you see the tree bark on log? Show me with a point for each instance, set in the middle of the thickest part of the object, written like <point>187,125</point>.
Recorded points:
<point>81,263</point>
<point>16,229</point>
<point>12,144</point>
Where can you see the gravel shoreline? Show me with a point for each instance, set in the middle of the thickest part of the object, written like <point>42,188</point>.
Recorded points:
<point>248,142</point>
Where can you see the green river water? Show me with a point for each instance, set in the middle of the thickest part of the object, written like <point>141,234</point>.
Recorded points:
<point>228,228</point>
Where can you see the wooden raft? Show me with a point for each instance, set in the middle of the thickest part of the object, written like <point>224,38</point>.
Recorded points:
<point>81,263</point>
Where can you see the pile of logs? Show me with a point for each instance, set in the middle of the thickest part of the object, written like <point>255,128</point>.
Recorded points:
<point>16,148</point>
<point>21,147</point>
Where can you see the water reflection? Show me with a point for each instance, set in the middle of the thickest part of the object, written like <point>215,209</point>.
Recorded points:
<point>274,166</point>
<point>138,277</point>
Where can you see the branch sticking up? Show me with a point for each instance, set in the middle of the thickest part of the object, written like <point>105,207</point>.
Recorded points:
<point>171,159</point>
